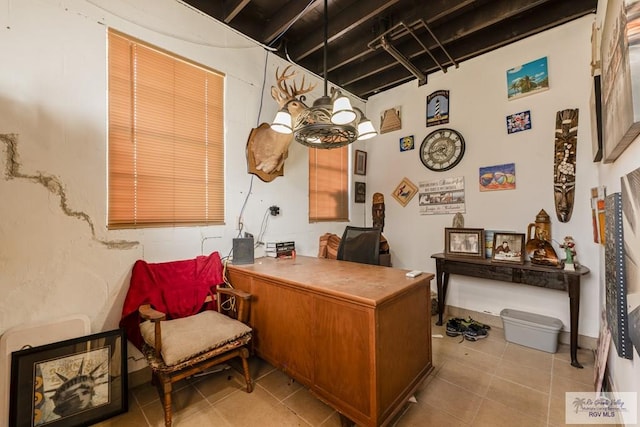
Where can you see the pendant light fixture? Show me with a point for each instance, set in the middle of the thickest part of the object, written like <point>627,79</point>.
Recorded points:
<point>331,122</point>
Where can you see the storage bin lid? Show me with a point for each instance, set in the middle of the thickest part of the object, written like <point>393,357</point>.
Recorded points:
<point>531,319</point>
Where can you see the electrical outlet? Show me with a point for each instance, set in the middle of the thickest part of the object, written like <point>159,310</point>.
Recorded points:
<point>275,210</point>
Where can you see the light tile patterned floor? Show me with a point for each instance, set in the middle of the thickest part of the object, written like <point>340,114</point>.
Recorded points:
<point>484,383</point>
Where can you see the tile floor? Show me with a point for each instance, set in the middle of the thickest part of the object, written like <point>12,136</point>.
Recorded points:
<point>484,383</point>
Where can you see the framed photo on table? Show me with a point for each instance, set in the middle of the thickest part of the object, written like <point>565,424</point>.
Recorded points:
<point>464,242</point>
<point>508,247</point>
<point>76,382</point>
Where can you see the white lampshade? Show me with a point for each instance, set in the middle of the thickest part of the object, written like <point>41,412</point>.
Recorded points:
<point>366,130</point>
<point>282,122</point>
<point>342,111</point>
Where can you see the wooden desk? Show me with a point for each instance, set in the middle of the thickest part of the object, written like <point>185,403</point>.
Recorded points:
<point>359,336</point>
<point>526,274</point>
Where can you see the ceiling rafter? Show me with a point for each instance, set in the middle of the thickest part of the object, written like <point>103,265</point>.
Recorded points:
<point>465,28</point>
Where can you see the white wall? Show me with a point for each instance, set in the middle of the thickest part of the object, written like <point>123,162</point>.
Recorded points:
<point>624,373</point>
<point>53,98</point>
<point>53,104</point>
<point>479,105</point>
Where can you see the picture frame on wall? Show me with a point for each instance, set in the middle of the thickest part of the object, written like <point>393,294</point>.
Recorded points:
<point>76,382</point>
<point>438,108</point>
<point>406,143</point>
<point>620,60</point>
<point>508,248</point>
<point>527,79</point>
<point>360,163</point>
<point>464,242</point>
<point>361,192</point>
<point>518,122</point>
<point>405,191</point>
<point>596,119</point>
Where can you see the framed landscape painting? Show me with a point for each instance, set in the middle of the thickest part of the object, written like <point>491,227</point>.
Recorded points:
<point>527,79</point>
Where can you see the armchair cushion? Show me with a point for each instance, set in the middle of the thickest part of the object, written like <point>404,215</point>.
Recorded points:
<point>189,336</point>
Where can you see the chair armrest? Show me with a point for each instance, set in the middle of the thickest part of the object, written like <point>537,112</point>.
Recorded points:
<point>234,292</point>
<point>148,313</point>
<point>239,309</point>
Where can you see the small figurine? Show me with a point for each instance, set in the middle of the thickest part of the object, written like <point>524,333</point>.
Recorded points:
<point>571,260</point>
<point>458,221</point>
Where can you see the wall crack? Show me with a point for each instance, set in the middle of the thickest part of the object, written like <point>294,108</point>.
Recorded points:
<point>54,186</point>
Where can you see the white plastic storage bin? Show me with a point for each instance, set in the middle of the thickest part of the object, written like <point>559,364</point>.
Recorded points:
<point>531,330</point>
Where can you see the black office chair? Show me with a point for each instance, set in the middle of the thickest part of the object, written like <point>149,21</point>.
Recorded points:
<point>360,244</point>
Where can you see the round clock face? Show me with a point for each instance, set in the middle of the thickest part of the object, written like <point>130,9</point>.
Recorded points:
<point>442,149</point>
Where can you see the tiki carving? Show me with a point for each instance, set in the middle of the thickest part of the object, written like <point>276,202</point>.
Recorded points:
<point>564,178</point>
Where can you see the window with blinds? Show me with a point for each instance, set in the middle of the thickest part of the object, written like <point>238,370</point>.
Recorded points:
<point>329,184</point>
<point>166,138</point>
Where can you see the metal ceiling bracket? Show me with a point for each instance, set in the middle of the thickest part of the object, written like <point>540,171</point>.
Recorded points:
<point>398,32</point>
<point>391,50</point>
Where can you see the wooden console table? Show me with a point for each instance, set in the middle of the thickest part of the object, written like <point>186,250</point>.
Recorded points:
<point>526,274</point>
<point>359,336</point>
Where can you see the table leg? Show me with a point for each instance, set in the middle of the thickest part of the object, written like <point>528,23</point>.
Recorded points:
<point>442,281</point>
<point>574,311</point>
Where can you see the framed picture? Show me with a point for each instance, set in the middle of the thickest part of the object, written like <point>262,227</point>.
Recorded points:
<point>76,382</point>
<point>390,120</point>
<point>527,79</point>
<point>497,177</point>
<point>466,242</point>
<point>360,167</point>
<point>630,188</point>
<point>405,191</point>
<point>518,122</point>
<point>406,143</point>
<point>438,108</point>
<point>596,119</point>
<point>361,192</point>
<point>508,247</point>
<point>620,59</point>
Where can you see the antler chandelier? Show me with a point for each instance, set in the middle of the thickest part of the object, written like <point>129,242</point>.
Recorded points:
<point>331,122</point>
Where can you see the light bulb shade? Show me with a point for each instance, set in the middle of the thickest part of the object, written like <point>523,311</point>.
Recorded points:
<point>282,122</point>
<point>342,111</point>
<point>366,130</point>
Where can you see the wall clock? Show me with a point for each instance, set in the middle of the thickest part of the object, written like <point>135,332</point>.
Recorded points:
<point>442,149</point>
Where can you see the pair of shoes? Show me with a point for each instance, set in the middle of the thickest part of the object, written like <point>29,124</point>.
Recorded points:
<point>455,327</point>
<point>469,321</point>
<point>468,328</point>
<point>474,332</point>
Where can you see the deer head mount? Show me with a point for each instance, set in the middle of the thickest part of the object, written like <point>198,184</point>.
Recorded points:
<point>266,148</point>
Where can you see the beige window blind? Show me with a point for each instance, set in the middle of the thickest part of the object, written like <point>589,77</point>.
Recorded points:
<point>166,138</point>
<point>328,184</point>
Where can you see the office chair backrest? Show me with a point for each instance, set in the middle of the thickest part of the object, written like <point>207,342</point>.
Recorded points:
<point>360,244</point>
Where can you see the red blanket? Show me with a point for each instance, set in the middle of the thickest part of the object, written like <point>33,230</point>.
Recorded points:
<point>177,288</point>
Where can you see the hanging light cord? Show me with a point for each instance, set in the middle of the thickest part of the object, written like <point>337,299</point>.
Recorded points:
<point>326,44</point>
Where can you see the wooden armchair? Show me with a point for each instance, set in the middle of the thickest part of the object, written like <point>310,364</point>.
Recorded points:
<point>178,348</point>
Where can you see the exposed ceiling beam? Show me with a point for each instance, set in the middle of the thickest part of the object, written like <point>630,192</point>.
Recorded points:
<point>285,17</point>
<point>345,21</point>
<point>462,27</point>
<point>483,42</point>
<point>235,8</point>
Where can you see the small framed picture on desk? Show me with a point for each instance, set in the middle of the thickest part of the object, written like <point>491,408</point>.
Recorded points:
<point>464,242</point>
<point>508,248</point>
